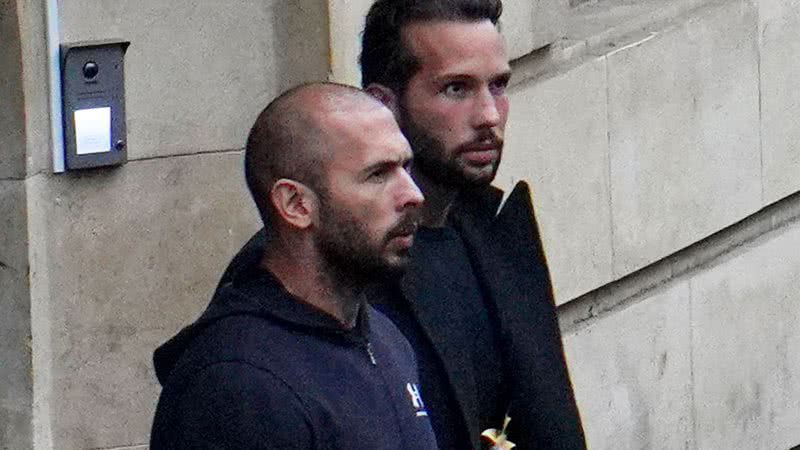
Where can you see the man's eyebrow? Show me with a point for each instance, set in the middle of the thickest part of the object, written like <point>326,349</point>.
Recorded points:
<point>503,76</point>
<point>458,76</point>
<point>388,162</point>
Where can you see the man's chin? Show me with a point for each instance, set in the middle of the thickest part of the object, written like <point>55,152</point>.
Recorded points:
<point>474,175</point>
<point>399,264</point>
<point>473,178</point>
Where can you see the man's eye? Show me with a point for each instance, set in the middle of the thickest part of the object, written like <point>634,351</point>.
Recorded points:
<point>377,176</point>
<point>498,87</point>
<point>455,90</point>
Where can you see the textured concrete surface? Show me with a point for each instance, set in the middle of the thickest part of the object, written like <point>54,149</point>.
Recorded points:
<point>746,322</point>
<point>683,130</point>
<point>780,99</point>
<point>599,22</point>
<point>134,257</point>
<point>631,372</point>
<point>33,29</point>
<point>12,111</point>
<point>42,302</point>
<point>529,25</point>
<point>16,397</point>
<point>301,33</point>
<point>198,72</point>
<point>516,24</point>
<point>347,18</point>
<point>566,163</point>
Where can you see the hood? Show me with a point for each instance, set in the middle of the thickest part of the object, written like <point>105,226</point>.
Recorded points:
<point>254,291</point>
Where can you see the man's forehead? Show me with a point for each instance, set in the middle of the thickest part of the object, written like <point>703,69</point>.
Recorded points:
<point>353,129</point>
<point>320,103</point>
<point>355,119</point>
<point>364,139</point>
<point>447,39</point>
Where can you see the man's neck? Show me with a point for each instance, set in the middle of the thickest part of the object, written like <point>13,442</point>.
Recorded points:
<point>439,200</point>
<point>306,279</point>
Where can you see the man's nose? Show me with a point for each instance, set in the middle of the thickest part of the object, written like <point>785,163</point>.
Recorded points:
<point>410,196</point>
<point>487,114</point>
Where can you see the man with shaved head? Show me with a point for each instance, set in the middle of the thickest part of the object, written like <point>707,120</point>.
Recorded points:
<point>288,355</point>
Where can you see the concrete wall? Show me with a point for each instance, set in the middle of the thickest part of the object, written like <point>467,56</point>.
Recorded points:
<point>706,360</point>
<point>780,101</point>
<point>666,184</point>
<point>16,397</point>
<point>659,146</point>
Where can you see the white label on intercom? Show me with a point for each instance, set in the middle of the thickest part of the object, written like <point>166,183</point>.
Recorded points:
<point>93,130</point>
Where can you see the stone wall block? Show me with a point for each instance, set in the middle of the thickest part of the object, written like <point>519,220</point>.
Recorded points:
<point>529,25</point>
<point>12,101</point>
<point>779,22</point>
<point>16,396</point>
<point>746,345</point>
<point>566,163</point>
<point>198,72</point>
<point>36,87</point>
<point>133,255</point>
<point>631,372</point>
<point>683,129</point>
<point>347,18</point>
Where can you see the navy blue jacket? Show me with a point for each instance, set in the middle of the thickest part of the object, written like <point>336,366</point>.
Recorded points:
<point>263,370</point>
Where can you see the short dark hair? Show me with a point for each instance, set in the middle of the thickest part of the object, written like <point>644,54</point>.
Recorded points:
<point>288,141</point>
<point>384,57</point>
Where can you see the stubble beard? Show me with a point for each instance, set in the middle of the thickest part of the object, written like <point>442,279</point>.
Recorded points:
<point>350,257</point>
<point>432,160</point>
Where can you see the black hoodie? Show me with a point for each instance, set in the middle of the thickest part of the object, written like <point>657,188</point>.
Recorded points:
<point>261,369</point>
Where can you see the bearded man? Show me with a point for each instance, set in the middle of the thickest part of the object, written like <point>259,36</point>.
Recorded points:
<point>288,355</point>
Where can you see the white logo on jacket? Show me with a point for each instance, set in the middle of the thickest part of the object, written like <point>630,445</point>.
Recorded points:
<point>416,399</point>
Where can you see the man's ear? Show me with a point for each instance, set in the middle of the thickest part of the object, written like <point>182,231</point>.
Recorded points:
<point>385,95</point>
<point>294,202</point>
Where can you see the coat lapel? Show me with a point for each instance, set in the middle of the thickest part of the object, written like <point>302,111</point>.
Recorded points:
<point>441,323</point>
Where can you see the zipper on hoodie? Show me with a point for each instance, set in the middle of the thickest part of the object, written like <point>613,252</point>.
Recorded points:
<point>371,354</point>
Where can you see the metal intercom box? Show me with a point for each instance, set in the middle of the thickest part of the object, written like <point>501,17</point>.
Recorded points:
<point>93,94</point>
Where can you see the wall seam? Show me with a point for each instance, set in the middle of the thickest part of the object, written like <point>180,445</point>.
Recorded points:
<point>145,159</point>
<point>634,287</point>
<point>760,105</point>
<point>124,447</point>
<point>184,155</point>
<point>609,167</point>
<point>692,384</point>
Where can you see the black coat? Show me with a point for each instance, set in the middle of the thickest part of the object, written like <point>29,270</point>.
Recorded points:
<point>506,252</point>
<point>509,261</point>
